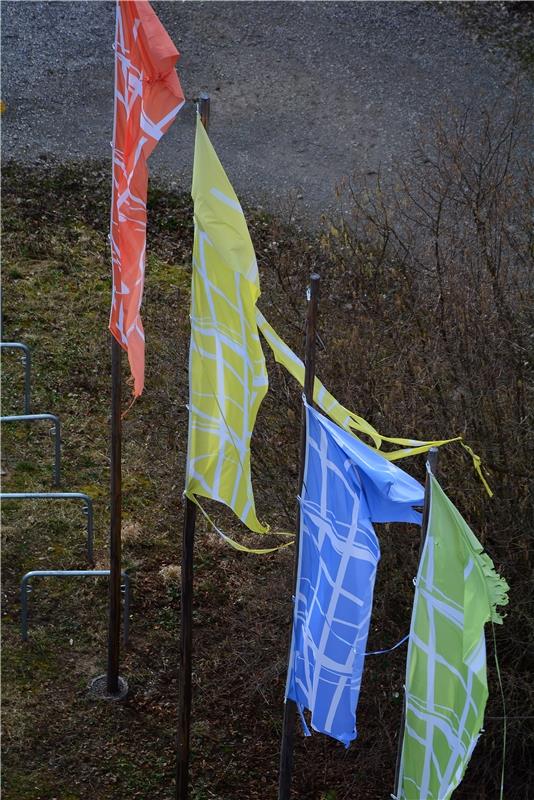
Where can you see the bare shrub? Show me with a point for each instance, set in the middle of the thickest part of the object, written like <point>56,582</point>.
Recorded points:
<point>439,274</point>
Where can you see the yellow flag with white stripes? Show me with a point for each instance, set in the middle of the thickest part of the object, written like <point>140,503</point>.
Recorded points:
<point>227,373</point>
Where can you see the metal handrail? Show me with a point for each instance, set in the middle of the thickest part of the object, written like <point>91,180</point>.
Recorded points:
<point>56,430</point>
<point>25,588</point>
<point>27,369</point>
<point>87,509</point>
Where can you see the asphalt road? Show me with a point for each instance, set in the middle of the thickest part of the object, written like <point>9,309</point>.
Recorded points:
<point>302,93</point>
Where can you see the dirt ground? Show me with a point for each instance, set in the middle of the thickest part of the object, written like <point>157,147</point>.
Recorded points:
<point>302,93</point>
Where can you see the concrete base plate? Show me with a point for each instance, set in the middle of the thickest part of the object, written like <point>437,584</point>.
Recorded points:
<point>98,688</point>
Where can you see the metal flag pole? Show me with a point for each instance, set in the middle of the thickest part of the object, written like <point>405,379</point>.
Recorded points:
<point>432,462</point>
<point>204,109</point>
<point>290,708</point>
<point>186,610</point>
<point>114,626</point>
<point>111,686</point>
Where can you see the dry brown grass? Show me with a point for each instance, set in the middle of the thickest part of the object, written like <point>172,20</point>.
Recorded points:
<point>425,329</point>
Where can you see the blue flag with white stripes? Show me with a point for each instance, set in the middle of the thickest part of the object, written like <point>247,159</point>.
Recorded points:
<point>347,486</point>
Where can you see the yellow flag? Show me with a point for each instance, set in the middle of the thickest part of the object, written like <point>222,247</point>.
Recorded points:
<point>227,374</point>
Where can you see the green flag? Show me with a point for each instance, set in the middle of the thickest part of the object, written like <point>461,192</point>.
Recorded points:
<point>457,592</point>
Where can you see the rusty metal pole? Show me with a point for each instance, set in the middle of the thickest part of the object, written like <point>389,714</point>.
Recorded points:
<point>186,651</point>
<point>186,610</point>
<point>111,686</point>
<point>204,109</point>
<point>114,625</point>
<point>432,462</point>
<point>290,708</point>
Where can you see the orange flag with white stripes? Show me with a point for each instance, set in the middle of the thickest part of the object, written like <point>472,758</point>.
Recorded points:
<point>148,96</point>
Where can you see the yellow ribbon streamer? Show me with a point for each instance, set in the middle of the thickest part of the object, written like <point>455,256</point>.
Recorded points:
<point>347,419</point>
<point>232,542</point>
<point>477,462</point>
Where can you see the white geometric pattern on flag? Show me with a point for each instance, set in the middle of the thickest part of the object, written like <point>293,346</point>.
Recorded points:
<point>210,338</point>
<point>439,720</point>
<point>205,328</point>
<point>338,557</point>
<point>129,207</point>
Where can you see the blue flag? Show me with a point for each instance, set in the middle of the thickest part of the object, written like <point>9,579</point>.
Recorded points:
<point>347,486</point>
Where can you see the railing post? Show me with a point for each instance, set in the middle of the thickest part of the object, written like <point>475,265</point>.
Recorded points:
<point>24,589</point>
<point>57,436</point>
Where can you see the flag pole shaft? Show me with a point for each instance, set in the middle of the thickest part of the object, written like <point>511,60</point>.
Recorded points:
<point>186,649</point>
<point>204,109</point>
<point>432,461</point>
<point>290,709</point>
<point>186,609</point>
<point>114,626</point>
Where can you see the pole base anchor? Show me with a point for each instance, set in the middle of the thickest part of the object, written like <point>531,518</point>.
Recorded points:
<point>98,689</point>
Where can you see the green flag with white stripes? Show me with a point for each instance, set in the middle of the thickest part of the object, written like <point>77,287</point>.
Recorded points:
<point>457,592</point>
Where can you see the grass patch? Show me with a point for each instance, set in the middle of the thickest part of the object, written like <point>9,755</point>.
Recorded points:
<point>379,357</point>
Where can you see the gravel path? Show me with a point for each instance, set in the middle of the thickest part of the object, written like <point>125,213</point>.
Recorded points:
<point>303,93</point>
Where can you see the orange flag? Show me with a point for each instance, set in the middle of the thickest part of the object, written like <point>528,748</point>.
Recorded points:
<point>148,97</point>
